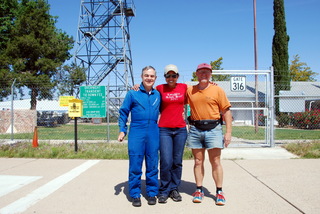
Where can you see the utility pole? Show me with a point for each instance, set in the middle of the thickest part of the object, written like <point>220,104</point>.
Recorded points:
<point>256,121</point>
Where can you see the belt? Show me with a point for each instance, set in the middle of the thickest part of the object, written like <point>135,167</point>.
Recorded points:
<point>202,122</point>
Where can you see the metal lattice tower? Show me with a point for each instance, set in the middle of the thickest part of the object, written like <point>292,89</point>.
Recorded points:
<point>103,44</point>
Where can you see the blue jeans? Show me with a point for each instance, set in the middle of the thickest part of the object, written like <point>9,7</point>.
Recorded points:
<point>172,142</point>
<point>199,139</point>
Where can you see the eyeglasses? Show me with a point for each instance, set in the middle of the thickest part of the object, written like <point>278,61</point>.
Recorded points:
<point>171,75</point>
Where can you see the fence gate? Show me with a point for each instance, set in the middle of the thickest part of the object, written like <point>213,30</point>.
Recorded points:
<point>251,95</point>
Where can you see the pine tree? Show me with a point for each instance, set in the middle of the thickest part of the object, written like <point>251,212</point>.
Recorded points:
<point>37,49</point>
<point>8,10</point>
<point>280,56</point>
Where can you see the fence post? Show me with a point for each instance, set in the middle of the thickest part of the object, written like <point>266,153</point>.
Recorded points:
<point>272,109</point>
<point>12,114</point>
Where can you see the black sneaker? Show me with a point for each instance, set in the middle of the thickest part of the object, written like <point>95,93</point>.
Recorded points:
<point>162,199</point>
<point>175,195</point>
<point>136,202</point>
<point>152,200</point>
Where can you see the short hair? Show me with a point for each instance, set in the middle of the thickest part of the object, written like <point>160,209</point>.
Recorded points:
<point>147,68</point>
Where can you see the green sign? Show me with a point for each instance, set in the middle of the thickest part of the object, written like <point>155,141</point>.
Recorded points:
<point>94,101</point>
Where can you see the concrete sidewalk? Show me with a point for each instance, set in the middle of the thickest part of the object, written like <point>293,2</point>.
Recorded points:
<point>257,153</point>
<point>256,180</point>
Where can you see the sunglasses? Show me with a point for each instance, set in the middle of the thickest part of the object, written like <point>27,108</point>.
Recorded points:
<point>171,75</point>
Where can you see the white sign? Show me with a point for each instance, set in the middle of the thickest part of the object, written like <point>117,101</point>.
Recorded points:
<point>238,83</point>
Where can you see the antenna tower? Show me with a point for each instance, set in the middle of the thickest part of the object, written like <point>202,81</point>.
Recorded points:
<point>103,44</point>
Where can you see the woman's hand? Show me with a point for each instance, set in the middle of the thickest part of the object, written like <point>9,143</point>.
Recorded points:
<point>136,87</point>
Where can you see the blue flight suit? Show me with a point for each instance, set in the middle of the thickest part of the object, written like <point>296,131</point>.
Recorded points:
<point>143,139</point>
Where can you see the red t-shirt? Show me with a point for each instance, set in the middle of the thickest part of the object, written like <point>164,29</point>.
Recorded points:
<point>172,105</point>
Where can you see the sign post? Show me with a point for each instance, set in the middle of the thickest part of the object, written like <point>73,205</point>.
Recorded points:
<point>75,110</point>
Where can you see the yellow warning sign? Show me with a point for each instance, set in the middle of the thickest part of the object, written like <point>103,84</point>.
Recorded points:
<point>75,108</point>
<point>64,100</point>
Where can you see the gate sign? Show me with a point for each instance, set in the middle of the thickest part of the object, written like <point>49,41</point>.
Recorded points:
<point>238,83</point>
<point>94,101</point>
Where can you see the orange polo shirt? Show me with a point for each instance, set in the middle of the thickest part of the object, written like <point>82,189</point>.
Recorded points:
<point>208,103</point>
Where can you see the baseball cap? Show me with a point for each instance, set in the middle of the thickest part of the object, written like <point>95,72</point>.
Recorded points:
<point>171,67</point>
<point>204,66</point>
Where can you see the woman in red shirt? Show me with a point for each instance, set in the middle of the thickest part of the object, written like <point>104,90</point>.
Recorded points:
<point>173,134</point>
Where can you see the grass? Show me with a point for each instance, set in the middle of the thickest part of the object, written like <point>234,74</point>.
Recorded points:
<point>248,132</point>
<point>305,150</point>
<point>296,134</point>
<point>66,132</point>
<point>65,151</point>
<point>99,132</point>
<point>119,150</point>
<point>116,151</point>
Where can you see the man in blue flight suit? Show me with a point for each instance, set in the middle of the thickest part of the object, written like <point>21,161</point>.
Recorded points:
<point>143,140</point>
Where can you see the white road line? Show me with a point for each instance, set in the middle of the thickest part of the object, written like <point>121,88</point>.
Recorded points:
<point>10,183</point>
<point>24,203</point>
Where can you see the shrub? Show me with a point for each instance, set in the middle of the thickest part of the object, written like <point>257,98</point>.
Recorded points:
<point>283,119</point>
<point>306,120</point>
<point>262,119</point>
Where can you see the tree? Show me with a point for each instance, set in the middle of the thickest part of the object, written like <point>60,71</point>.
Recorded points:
<point>8,10</point>
<point>70,78</point>
<point>7,15</point>
<point>215,65</point>
<point>280,54</point>
<point>299,71</point>
<point>37,49</point>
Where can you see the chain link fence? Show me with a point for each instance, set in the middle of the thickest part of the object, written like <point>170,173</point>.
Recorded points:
<point>298,108</point>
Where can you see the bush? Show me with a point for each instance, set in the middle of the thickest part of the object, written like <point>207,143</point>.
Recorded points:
<point>283,119</point>
<point>306,120</point>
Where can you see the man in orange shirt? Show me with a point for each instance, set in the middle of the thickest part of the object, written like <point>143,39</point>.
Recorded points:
<point>208,103</point>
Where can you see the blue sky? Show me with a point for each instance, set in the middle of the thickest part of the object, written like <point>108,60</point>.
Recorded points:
<point>187,33</point>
